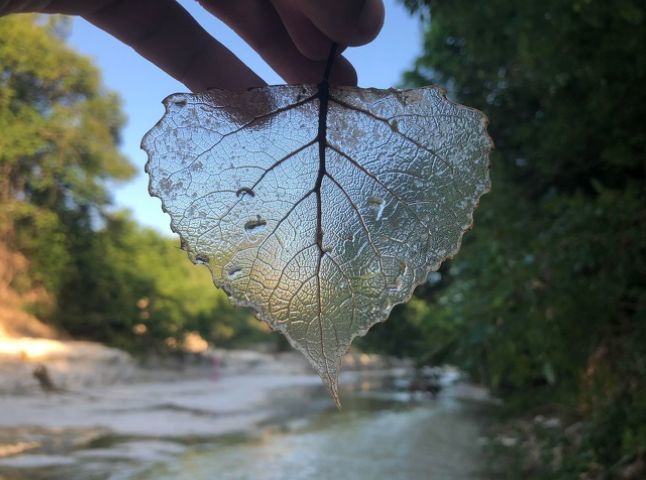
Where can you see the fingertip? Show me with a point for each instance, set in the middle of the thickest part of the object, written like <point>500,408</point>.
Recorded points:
<point>370,21</point>
<point>343,73</point>
<point>309,40</point>
<point>348,22</point>
<point>320,51</point>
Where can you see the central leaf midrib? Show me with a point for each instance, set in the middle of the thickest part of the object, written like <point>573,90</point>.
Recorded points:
<point>323,95</point>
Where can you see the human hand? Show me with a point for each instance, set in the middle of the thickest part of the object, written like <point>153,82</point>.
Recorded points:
<point>293,36</point>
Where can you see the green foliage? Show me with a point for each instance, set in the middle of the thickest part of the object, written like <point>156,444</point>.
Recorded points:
<point>546,302</point>
<point>135,289</point>
<point>58,143</point>
<point>110,280</point>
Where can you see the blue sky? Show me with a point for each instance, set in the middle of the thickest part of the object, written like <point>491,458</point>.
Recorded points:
<point>142,86</point>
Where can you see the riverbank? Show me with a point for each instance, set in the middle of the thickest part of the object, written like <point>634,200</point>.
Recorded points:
<point>111,414</point>
<point>89,385</point>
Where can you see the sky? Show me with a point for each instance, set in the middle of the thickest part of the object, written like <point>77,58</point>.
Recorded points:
<point>142,86</point>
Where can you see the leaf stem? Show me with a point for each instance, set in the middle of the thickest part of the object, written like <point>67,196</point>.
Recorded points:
<point>330,61</point>
<point>323,96</point>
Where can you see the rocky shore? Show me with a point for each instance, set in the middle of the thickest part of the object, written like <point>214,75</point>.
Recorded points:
<point>97,395</point>
<point>101,411</point>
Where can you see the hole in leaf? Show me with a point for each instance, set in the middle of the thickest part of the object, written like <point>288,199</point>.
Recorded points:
<point>256,224</point>
<point>199,259</point>
<point>378,204</point>
<point>234,272</point>
<point>242,191</point>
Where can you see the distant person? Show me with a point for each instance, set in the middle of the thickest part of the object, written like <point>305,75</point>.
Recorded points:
<point>293,36</point>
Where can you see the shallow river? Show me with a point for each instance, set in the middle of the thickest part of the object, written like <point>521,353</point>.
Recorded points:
<point>382,433</point>
<point>372,440</point>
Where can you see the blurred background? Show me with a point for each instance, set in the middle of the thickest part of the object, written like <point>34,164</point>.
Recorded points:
<point>524,356</point>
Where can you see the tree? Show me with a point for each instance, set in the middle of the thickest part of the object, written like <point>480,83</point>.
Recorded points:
<point>105,278</point>
<point>547,299</point>
<point>58,145</point>
<point>135,289</point>
<point>58,149</point>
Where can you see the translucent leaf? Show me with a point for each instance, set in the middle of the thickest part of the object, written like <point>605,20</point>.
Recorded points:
<point>319,207</point>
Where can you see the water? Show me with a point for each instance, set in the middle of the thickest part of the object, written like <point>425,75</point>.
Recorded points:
<point>377,436</point>
<point>382,433</point>
<point>418,443</point>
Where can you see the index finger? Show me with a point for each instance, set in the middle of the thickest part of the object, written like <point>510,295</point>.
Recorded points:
<point>166,34</point>
<point>162,32</point>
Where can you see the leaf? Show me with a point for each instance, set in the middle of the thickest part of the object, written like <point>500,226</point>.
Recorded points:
<point>319,207</point>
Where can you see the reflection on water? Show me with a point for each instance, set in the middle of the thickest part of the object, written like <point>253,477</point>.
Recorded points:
<point>373,438</point>
<point>382,433</point>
